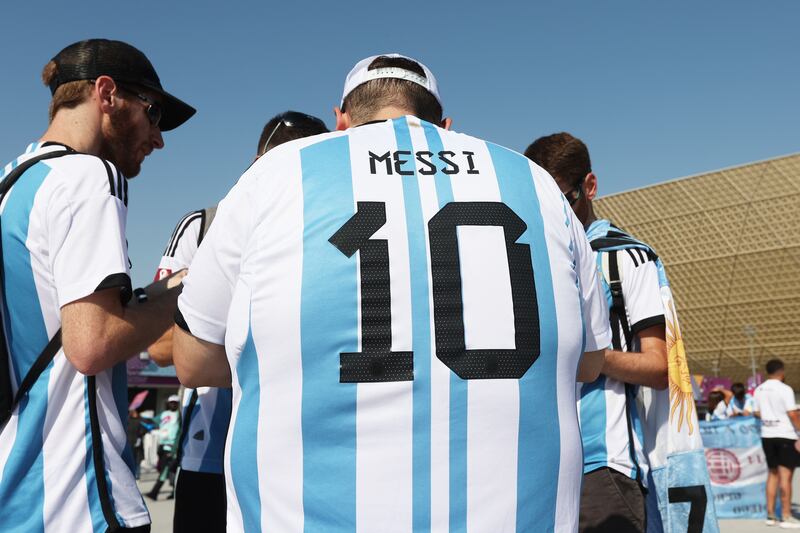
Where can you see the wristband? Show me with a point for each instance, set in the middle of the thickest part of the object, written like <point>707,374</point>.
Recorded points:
<point>140,294</point>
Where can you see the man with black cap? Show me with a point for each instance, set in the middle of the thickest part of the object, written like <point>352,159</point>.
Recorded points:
<point>401,311</point>
<point>69,320</point>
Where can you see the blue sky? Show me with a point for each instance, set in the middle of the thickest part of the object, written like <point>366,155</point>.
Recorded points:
<point>656,90</point>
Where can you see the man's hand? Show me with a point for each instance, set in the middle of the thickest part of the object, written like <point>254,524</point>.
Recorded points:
<point>97,332</point>
<point>161,350</point>
<point>648,367</point>
<point>159,287</point>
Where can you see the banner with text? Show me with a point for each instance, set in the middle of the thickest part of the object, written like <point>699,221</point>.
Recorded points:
<point>737,467</point>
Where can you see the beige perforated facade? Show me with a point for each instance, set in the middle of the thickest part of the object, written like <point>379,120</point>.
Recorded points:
<point>730,241</point>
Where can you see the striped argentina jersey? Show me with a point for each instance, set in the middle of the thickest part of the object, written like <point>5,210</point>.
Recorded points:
<point>204,437</point>
<point>404,309</point>
<point>604,404</point>
<point>63,238</point>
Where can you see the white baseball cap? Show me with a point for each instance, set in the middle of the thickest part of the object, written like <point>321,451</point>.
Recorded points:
<point>174,398</point>
<point>361,74</point>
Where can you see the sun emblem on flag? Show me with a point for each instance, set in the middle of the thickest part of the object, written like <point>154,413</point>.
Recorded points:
<point>680,382</point>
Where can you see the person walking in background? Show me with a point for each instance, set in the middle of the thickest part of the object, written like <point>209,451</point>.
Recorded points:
<point>200,484</point>
<point>136,432</point>
<point>169,425</point>
<point>774,403</point>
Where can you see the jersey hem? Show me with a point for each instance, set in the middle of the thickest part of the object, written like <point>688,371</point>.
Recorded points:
<point>625,470</point>
<point>657,320</point>
<point>137,520</point>
<point>192,464</point>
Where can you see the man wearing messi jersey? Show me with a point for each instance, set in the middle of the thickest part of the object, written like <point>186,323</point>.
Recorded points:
<point>200,487</point>
<point>69,323</point>
<point>614,464</point>
<point>401,311</point>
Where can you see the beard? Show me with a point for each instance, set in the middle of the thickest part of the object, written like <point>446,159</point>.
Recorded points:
<point>119,142</point>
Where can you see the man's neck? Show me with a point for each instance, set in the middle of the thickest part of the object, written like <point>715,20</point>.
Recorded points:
<point>76,129</point>
<point>387,113</point>
<point>590,217</point>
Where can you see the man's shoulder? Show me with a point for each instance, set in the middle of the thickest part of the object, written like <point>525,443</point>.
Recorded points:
<point>771,385</point>
<point>87,175</point>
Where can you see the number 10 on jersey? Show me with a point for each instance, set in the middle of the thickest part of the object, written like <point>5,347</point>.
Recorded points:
<point>376,361</point>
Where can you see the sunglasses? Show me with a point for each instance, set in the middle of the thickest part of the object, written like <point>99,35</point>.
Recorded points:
<point>153,110</point>
<point>292,119</point>
<point>575,193</point>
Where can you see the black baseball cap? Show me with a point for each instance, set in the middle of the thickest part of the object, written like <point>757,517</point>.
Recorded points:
<point>89,59</point>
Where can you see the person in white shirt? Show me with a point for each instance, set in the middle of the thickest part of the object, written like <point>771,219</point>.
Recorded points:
<point>775,405</point>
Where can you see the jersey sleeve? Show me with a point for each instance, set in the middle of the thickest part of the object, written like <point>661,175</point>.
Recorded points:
<point>208,288</point>
<point>182,245</point>
<point>86,231</point>
<point>597,331</point>
<point>641,290</point>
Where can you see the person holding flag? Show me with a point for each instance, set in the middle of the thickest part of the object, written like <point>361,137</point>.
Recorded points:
<point>635,463</point>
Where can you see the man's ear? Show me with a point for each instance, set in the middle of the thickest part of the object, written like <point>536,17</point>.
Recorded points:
<point>105,90</point>
<point>447,123</point>
<point>343,120</point>
<point>590,185</point>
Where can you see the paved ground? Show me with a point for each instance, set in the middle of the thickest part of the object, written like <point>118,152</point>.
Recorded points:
<point>161,510</point>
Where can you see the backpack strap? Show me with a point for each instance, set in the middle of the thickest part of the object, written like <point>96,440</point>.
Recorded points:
<point>9,400</point>
<point>619,321</point>
<point>617,313</point>
<point>205,222</point>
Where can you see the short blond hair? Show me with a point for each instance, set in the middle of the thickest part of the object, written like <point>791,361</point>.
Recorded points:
<point>67,95</point>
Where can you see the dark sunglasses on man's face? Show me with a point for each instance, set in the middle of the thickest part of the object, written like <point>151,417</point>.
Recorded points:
<point>153,110</point>
<point>574,194</point>
<point>293,118</point>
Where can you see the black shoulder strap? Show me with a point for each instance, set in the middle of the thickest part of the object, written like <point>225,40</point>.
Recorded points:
<point>33,374</point>
<point>619,321</point>
<point>208,217</point>
<point>9,400</point>
<point>619,318</point>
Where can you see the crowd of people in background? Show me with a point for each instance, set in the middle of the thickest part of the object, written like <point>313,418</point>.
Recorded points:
<point>724,403</point>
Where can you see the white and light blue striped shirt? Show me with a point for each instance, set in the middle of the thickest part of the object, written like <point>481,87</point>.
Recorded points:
<point>204,437</point>
<point>605,404</point>
<point>404,309</point>
<point>63,238</point>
